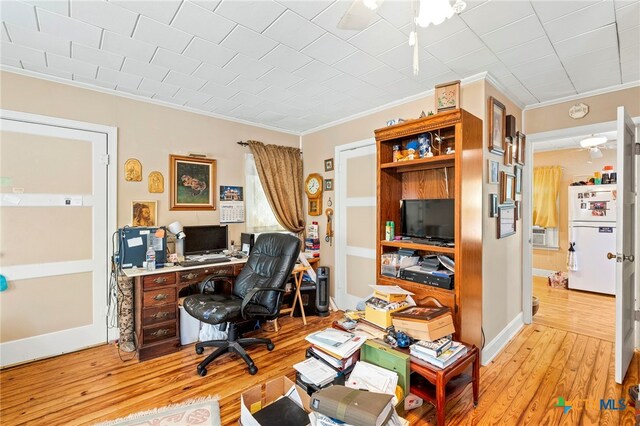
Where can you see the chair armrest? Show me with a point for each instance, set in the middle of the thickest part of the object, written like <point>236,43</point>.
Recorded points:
<point>252,293</point>
<point>202,285</point>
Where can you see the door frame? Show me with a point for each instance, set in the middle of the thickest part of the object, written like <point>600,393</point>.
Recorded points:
<point>340,219</point>
<point>111,134</point>
<point>527,197</point>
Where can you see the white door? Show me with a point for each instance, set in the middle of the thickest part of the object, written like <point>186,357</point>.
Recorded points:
<point>355,222</point>
<point>54,237</point>
<point>625,245</point>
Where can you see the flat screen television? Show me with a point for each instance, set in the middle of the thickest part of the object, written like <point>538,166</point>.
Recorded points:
<point>205,239</point>
<point>430,218</point>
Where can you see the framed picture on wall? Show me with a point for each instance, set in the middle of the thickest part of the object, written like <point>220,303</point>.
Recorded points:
<point>493,205</point>
<point>193,180</point>
<point>494,171</point>
<point>497,125</point>
<point>144,213</point>
<point>507,188</point>
<point>521,141</point>
<point>508,151</point>
<point>518,172</point>
<point>506,220</point>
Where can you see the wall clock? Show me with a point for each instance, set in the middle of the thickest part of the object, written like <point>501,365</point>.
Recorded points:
<point>313,188</point>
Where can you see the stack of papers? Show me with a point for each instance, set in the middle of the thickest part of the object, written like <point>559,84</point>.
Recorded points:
<point>370,377</point>
<point>315,372</point>
<point>339,344</point>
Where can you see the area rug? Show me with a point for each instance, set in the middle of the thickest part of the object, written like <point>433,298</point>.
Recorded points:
<point>202,412</point>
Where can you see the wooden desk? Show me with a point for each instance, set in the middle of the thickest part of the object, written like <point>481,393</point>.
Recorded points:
<point>156,294</point>
<point>448,382</point>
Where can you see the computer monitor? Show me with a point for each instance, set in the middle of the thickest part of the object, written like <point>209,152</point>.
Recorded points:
<point>205,239</point>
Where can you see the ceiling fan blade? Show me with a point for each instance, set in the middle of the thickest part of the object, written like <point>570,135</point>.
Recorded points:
<point>357,17</point>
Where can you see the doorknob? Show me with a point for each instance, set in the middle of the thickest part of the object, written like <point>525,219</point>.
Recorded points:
<point>621,257</point>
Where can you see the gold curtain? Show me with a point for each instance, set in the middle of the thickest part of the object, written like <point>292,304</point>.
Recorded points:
<point>280,172</point>
<point>546,186</point>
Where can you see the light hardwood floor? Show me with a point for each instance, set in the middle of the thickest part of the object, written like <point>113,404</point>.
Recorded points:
<point>521,386</point>
<point>576,311</point>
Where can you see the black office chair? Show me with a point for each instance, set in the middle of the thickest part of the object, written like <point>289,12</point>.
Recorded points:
<point>257,294</point>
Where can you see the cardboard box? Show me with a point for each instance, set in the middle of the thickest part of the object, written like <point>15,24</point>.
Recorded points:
<point>380,317</point>
<point>426,330</point>
<point>389,297</point>
<point>253,400</point>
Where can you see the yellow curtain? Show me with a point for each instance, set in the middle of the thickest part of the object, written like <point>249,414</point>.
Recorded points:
<point>280,172</point>
<point>546,186</point>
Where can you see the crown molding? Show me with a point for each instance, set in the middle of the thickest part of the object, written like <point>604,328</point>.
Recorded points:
<point>80,85</point>
<point>495,83</point>
<point>583,95</point>
<point>465,81</point>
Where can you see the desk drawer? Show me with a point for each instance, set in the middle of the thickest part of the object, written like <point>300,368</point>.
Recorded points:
<point>157,280</point>
<point>159,332</point>
<point>160,314</point>
<point>197,275</point>
<point>161,296</point>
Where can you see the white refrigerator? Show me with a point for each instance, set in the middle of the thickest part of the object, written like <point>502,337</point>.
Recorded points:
<point>592,229</point>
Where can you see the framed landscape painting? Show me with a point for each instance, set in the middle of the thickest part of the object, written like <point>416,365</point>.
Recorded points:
<point>193,180</point>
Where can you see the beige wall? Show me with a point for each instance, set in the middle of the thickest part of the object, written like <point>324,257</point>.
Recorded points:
<point>149,133</point>
<point>602,108</point>
<point>320,145</point>
<point>501,258</point>
<point>575,168</point>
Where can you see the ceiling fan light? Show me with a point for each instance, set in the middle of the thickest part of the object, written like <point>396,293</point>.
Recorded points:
<point>593,141</point>
<point>433,11</point>
<point>370,4</point>
<point>459,6</point>
<point>594,152</point>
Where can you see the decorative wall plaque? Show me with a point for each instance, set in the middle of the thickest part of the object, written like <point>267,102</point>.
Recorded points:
<point>578,110</point>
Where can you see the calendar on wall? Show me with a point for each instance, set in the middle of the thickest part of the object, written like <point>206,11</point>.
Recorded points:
<point>231,204</point>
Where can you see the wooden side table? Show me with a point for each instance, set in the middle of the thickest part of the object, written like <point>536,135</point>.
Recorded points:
<point>447,383</point>
<point>298,272</point>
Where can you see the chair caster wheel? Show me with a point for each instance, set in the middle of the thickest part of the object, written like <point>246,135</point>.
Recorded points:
<point>199,351</point>
<point>270,346</point>
<point>202,371</point>
<point>253,370</point>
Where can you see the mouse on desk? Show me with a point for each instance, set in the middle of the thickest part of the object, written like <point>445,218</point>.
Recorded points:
<point>238,256</point>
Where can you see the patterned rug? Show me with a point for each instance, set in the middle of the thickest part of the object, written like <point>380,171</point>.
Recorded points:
<point>201,412</point>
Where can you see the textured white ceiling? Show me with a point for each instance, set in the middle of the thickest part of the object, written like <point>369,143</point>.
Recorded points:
<point>285,64</point>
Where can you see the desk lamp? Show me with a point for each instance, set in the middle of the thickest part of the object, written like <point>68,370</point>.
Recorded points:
<point>176,229</point>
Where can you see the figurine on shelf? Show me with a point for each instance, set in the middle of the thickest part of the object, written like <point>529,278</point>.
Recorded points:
<point>424,146</point>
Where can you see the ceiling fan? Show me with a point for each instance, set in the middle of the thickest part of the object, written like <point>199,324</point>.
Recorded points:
<point>361,12</point>
<point>594,145</point>
<point>423,13</point>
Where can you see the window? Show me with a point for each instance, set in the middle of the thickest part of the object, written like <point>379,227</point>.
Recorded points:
<point>259,216</point>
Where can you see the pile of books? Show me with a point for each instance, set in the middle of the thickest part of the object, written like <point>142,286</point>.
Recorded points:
<point>312,242</point>
<point>424,322</point>
<point>441,353</point>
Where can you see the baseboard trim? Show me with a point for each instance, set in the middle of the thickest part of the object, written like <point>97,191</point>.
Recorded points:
<point>541,272</point>
<point>500,341</point>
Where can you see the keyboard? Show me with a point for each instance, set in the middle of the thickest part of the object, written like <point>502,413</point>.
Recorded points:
<point>204,261</point>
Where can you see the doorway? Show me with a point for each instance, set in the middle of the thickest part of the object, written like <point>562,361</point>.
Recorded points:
<point>355,221</point>
<point>568,308</point>
<point>58,211</point>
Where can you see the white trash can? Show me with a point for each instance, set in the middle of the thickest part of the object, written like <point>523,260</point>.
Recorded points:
<point>189,327</point>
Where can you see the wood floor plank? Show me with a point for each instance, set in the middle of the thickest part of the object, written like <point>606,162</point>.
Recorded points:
<point>565,382</point>
<point>580,384</point>
<point>612,391</point>
<point>543,400</point>
<point>545,347</point>
<point>493,392</point>
<point>525,384</point>
<point>597,383</point>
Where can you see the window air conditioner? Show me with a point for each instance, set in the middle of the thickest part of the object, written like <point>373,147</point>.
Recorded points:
<point>539,236</point>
